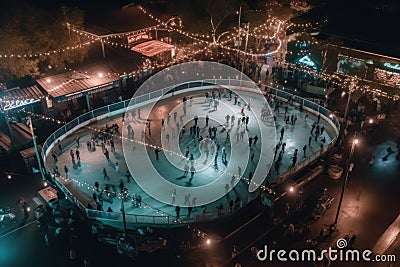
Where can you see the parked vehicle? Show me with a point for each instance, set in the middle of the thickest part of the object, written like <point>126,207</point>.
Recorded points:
<point>316,205</point>
<point>6,217</point>
<point>324,202</point>
<point>143,241</point>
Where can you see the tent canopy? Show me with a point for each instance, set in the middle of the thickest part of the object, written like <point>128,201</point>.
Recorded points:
<point>152,48</point>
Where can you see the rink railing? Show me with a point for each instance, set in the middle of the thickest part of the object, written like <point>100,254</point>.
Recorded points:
<point>138,101</point>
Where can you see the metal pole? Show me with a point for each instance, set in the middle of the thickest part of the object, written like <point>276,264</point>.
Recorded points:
<point>87,102</point>
<point>13,144</point>
<point>345,180</point>
<point>353,84</point>
<point>36,149</point>
<point>123,217</point>
<point>244,59</point>
<point>245,46</point>
<point>347,106</point>
<point>103,48</point>
<point>239,38</point>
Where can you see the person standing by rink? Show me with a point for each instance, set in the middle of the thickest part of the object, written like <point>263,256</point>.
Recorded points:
<point>157,150</point>
<point>190,209</point>
<point>185,170</point>
<point>187,199</point>
<point>66,171</point>
<point>72,155</point>
<point>168,118</point>
<point>173,194</point>
<point>121,186</point>
<point>107,154</point>
<point>143,136</point>
<point>89,145</point>
<point>149,128</point>
<point>187,152</point>
<point>192,171</point>
<point>255,139</point>
<point>105,174</point>
<point>227,117</point>
<point>116,167</point>
<point>78,155</point>
<point>138,201</point>
<point>223,155</point>
<point>128,176</point>
<point>59,146</point>
<point>249,104</point>
<point>177,210</point>
<point>241,135</point>
<point>53,154</point>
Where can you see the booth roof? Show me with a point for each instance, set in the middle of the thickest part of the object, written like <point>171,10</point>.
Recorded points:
<point>88,77</point>
<point>77,81</point>
<point>29,152</point>
<point>31,92</point>
<point>152,48</point>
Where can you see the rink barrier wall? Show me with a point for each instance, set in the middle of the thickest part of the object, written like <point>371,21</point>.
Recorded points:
<point>145,99</point>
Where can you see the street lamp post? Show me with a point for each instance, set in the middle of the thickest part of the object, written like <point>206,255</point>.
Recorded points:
<point>350,166</point>
<point>36,148</point>
<point>239,37</point>
<point>245,45</point>
<point>352,87</point>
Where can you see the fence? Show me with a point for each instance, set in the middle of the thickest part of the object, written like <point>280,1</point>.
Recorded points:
<point>120,107</point>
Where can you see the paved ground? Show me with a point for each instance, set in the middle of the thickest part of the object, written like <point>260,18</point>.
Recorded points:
<point>84,173</point>
<point>369,208</point>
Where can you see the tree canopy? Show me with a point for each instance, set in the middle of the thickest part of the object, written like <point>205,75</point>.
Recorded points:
<point>33,40</point>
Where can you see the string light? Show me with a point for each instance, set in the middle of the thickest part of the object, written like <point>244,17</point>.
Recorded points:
<point>308,24</point>
<point>48,53</point>
<point>213,43</point>
<point>388,77</point>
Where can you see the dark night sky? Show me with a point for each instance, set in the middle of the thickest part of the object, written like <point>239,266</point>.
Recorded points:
<point>365,24</point>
